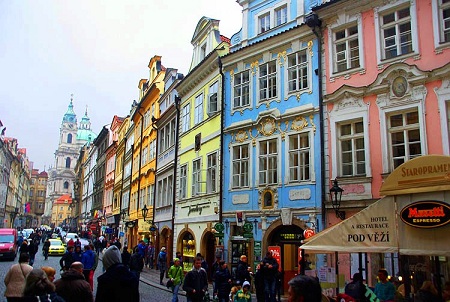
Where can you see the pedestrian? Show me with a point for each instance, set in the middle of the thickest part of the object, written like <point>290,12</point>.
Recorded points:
<point>269,268</point>
<point>117,284</point>
<point>23,247</point>
<point>162,264</point>
<point>427,293</point>
<point>243,295</point>
<point>215,268</point>
<point>71,243</point>
<point>142,248</point>
<point>46,248</point>
<point>176,276</point>
<point>204,263</point>
<point>196,282</point>
<point>39,288</point>
<point>259,284</point>
<point>94,267</point>
<point>180,257</point>
<point>126,256</point>
<point>356,289</point>
<point>243,270</point>
<point>50,272</point>
<point>304,289</point>
<point>32,250</point>
<point>384,290</point>
<point>223,282</point>
<point>72,286</point>
<point>77,243</point>
<point>150,255</point>
<point>67,259</point>
<point>88,260</point>
<point>136,263</point>
<point>107,245</point>
<point>77,254</point>
<point>16,276</point>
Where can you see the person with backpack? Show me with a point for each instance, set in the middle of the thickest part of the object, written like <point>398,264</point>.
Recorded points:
<point>176,277</point>
<point>136,263</point>
<point>162,263</point>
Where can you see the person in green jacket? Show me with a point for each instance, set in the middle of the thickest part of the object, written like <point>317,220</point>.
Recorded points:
<point>243,295</point>
<point>176,276</point>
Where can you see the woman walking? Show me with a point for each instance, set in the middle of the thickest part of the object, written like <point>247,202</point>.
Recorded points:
<point>15,278</point>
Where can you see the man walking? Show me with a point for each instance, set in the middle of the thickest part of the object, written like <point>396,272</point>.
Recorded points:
<point>72,286</point>
<point>88,260</point>
<point>136,263</point>
<point>269,268</point>
<point>162,263</point>
<point>196,282</point>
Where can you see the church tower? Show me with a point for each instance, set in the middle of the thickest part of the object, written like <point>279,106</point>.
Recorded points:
<point>61,177</point>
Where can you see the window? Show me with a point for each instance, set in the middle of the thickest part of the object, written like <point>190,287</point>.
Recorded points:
<point>444,21</point>
<point>264,23</point>
<point>127,170</point>
<point>183,181</point>
<point>196,177</point>
<point>198,112</point>
<point>125,199</point>
<point>147,118</point>
<point>212,98</point>
<point>281,15</point>
<point>240,166</point>
<point>144,155</point>
<point>69,138</point>
<point>299,157</point>
<point>165,186</point>
<point>152,149</point>
<point>404,136</point>
<point>268,81</point>
<point>346,49</point>
<point>268,159</point>
<point>149,195</point>
<point>68,162</point>
<point>211,174</point>
<point>203,52</point>
<point>297,71</point>
<point>352,152</point>
<point>185,118</point>
<point>241,89</point>
<point>396,33</point>
<point>66,185</point>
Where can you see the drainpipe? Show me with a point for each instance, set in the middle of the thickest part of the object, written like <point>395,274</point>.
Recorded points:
<point>222,121</point>
<point>315,23</point>
<point>140,157</point>
<point>175,166</point>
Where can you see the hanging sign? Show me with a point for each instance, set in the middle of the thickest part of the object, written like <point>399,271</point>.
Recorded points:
<point>426,214</point>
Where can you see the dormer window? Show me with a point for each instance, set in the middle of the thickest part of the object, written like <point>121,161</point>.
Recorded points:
<point>202,52</point>
<point>264,23</point>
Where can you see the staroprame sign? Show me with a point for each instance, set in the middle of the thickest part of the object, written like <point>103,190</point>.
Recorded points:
<point>426,214</point>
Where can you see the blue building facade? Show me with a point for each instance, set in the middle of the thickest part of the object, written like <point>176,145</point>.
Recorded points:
<point>272,140</point>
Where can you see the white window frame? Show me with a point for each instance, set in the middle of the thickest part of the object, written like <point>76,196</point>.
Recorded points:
<point>213,97</point>
<point>183,181</point>
<point>240,163</point>
<point>439,27</point>
<point>272,158</point>
<point>378,16</point>
<point>186,117</point>
<point>306,65</point>
<point>281,9</point>
<point>345,110</point>
<point>355,21</point>
<point>264,23</point>
<point>352,138</point>
<point>152,153</point>
<point>198,110</point>
<point>301,168</point>
<point>266,78</point>
<point>271,13</point>
<point>212,172</point>
<point>196,177</point>
<point>241,85</point>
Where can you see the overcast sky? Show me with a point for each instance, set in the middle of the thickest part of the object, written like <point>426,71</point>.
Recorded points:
<point>97,50</point>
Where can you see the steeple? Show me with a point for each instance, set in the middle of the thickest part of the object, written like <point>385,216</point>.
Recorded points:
<point>85,121</point>
<point>70,116</point>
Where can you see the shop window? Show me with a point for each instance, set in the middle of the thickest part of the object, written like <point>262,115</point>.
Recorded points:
<point>188,251</point>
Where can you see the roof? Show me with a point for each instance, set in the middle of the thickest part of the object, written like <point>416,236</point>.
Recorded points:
<point>64,198</point>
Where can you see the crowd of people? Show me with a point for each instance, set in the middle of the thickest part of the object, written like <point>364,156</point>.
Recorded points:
<point>119,280</point>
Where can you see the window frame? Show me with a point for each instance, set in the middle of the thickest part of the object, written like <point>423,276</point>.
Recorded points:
<point>198,109</point>
<point>267,79</point>
<point>300,168</point>
<point>212,173</point>
<point>348,53</point>
<point>271,13</point>
<point>240,161</point>
<point>183,181</point>
<point>213,90</point>
<point>352,137</point>
<point>306,65</point>
<point>196,185</point>
<point>439,27</point>
<point>270,169</point>
<point>242,85</point>
<point>186,118</point>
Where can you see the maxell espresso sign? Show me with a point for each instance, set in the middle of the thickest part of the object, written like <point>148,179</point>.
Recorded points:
<point>426,214</point>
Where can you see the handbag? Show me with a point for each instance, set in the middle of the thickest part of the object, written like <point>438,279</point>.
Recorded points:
<point>169,283</point>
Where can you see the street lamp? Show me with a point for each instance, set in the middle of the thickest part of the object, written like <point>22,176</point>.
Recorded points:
<point>335,197</point>
<point>13,216</point>
<point>144,211</point>
<point>123,213</point>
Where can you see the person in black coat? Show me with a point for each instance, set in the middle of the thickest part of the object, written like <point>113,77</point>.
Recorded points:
<point>126,256</point>
<point>32,250</point>
<point>67,259</point>
<point>243,271</point>
<point>223,282</point>
<point>356,289</point>
<point>136,263</point>
<point>196,282</point>
<point>117,284</point>
<point>269,269</point>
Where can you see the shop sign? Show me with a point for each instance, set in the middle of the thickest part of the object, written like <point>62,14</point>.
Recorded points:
<point>308,233</point>
<point>276,254</point>
<point>108,231</point>
<point>426,214</point>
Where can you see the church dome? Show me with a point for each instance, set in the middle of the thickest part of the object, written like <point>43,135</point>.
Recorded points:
<point>84,132</point>
<point>70,116</point>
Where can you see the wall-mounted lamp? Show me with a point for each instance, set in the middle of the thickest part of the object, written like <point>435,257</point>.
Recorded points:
<point>335,197</point>
<point>130,224</point>
<point>227,224</point>
<point>144,211</point>
<point>123,213</point>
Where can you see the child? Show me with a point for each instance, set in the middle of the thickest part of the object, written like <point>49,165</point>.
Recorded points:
<point>243,295</point>
<point>233,292</point>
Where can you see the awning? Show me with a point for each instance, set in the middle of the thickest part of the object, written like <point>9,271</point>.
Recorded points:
<point>379,229</point>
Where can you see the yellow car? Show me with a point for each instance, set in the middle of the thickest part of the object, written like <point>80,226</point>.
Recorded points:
<point>56,247</point>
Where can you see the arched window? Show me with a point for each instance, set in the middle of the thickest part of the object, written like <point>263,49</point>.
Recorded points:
<point>69,138</point>
<point>66,185</point>
<point>68,162</point>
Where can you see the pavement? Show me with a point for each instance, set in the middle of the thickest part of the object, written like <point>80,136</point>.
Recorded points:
<point>151,277</point>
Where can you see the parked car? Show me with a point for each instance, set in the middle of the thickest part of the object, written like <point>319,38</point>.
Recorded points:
<point>26,233</point>
<point>68,236</point>
<point>56,247</point>
<point>8,240</point>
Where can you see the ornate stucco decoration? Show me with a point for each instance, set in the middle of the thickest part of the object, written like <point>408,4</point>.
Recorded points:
<point>299,123</point>
<point>241,136</point>
<point>231,76</point>
<point>310,46</point>
<point>254,67</point>
<point>311,119</point>
<point>280,56</point>
<point>273,192</point>
<point>267,127</point>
